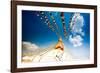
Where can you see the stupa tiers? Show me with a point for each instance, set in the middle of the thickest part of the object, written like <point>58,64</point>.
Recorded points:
<point>60,45</point>
<point>51,54</point>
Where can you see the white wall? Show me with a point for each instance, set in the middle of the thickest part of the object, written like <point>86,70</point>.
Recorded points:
<point>5,36</point>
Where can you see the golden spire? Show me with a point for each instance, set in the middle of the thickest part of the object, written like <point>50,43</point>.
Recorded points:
<point>60,45</point>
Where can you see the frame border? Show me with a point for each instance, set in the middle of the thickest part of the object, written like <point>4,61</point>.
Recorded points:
<point>14,35</point>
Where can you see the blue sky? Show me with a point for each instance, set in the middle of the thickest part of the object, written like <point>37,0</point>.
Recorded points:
<point>36,31</point>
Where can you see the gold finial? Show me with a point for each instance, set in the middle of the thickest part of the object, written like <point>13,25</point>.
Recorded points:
<point>60,40</point>
<point>60,45</point>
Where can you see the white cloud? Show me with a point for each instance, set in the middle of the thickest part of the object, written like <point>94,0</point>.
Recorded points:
<point>28,46</point>
<point>77,23</point>
<point>76,40</point>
